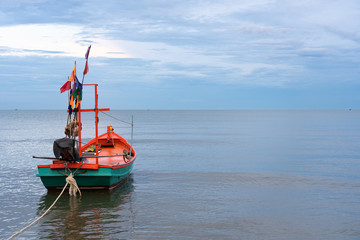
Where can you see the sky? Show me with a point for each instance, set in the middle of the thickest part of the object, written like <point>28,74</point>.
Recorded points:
<point>181,54</point>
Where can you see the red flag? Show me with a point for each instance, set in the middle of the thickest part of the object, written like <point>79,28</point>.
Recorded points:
<point>65,87</point>
<point>86,69</point>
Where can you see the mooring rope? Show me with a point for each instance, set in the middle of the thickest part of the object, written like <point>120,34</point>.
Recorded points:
<point>71,180</point>
<point>41,215</point>
<point>72,191</point>
<point>73,186</point>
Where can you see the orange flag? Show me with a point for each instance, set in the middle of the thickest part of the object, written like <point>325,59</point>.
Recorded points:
<point>73,73</point>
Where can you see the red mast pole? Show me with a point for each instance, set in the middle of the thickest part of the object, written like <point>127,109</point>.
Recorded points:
<point>96,123</point>
<point>79,111</point>
<point>96,110</point>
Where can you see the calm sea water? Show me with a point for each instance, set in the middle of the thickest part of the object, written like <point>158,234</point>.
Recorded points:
<point>198,175</point>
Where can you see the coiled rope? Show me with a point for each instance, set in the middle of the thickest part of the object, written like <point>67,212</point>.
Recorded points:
<point>72,191</point>
<point>73,186</point>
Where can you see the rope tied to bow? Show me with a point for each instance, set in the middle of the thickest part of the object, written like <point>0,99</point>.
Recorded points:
<point>73,189</point>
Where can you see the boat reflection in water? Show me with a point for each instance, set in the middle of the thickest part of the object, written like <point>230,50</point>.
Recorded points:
<point>96,214</point>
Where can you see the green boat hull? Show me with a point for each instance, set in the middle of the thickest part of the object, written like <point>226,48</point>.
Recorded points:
<point>102,178</point>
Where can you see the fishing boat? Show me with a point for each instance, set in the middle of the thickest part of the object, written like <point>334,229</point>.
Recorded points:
<point>102,163</point>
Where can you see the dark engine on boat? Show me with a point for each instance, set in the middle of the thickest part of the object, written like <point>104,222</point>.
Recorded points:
<point>65,149</point>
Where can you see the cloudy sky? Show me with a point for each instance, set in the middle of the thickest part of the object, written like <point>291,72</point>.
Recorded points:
<point>156,54</point>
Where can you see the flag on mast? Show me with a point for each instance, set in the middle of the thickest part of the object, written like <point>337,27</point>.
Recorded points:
<point>87,53</point>
<point>67,85</point>
<point>86,70</point>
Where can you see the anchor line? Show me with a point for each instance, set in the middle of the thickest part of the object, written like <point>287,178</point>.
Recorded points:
<point>72,191</point>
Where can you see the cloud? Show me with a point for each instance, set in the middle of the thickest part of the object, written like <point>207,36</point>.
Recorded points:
<point>59,40</point>
<point>54,40</point>
<point>219,11</point>
<point>260,43</point>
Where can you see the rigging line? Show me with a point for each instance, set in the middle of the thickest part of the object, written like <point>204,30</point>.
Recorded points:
<point>115,118</point>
